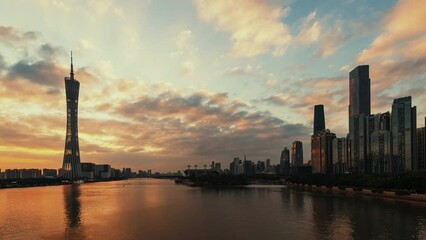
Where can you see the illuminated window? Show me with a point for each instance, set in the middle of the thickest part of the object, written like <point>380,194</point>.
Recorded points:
<point>68,152</point>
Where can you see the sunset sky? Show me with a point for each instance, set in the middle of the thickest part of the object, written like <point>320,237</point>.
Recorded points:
<point>168,83</point>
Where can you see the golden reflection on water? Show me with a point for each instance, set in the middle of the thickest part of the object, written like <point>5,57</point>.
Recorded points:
<point>159,209</point>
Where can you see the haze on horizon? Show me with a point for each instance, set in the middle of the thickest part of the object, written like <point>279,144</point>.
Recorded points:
<point>170,83</point>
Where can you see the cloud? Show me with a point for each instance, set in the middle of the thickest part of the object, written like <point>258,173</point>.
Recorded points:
<point>403,26</point>
<point>41,72</point>
<point>397,56</point>
<point>187,67</point>
<point>11,35</point>
<point>255,26</point>
<point>49,52</point>
<point>184,45</point>
<point>237,70</point>
<point>205,125</point>
<point>311,29</point>
<point>2,63</point>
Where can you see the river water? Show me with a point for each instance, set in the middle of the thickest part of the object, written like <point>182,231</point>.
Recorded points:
<point>159,209</point>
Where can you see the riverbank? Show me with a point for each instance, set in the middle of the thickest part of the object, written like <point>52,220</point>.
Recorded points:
<point>400,195</point>
<point>44,182</point>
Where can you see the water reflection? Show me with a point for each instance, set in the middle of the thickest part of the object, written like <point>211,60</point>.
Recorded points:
<point>72,206</point>
<point>159,209</point>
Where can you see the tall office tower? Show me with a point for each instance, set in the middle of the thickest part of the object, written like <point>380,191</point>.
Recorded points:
<point>296,154</point>
<point>404,146</point>
<point>359,108</point>
<point>235,166</point>
<point>377,135</point>
<point>340,155</point>
<point>285,161</point>
<point>319,119</point>
<point>421,147</point>
<point>71,167</point>
<point>322,152</point>
<point>380,151</point>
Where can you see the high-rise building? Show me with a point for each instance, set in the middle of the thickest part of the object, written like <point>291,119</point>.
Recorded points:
<point>421,147</point>
<point>359,91</point>
<point>235,166</point>
<point>296,154</point>
<point>359,109</point>
<point>319,119</point>
<point>377,143</point>
<point>340,155</point>
<point>380,151</point>
<point>404,140</point>
<point>285,161</point>
<point>322,152</point>
<point>71,168</point>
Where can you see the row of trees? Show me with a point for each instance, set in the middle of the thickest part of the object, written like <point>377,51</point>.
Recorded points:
<point>413,181</point>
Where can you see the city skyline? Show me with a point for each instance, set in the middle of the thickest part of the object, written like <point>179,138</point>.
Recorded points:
<point>188,100</point>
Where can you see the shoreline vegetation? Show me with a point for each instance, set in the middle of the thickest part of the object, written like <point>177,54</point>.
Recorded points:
<point>410,186</point>
<point>42,182</point>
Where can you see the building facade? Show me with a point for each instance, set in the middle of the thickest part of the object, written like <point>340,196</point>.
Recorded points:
<point>359,108</point>
<point>322,152</point>
<point>285,161</point>
<point>378,141</point>
<point>404,140</point>
<point>319,119</point>
<point>297,154</point>
<point>340,156</point>
<point>421,147</point>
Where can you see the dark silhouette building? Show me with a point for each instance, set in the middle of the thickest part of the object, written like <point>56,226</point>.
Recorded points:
<point>379,143</point>
<point>319,119</point>
<point>421,147</point>
<point>285,161</point>
<point>71,168</point>
<point>359,91</point>
<point>322,152</point>
<point>340,155</point>
<point>359,109</point>
<point>296,154</point>
<point>404,140</point>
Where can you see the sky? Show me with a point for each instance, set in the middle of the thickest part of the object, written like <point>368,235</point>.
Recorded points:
<point>164,84</point>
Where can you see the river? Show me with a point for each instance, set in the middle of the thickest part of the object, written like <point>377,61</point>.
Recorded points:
<point>159,209</point>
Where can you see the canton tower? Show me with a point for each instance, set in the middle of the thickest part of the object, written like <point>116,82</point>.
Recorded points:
<point>71,167</point>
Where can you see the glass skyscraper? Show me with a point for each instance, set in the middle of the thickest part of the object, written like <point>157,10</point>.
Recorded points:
<point>71,168</point>
<point>296,154</point>
<point>319,119</point>
<point>404,140</point>
<point>359,109</point>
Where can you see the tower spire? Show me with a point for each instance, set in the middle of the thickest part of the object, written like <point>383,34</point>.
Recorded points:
<point>72,69</point>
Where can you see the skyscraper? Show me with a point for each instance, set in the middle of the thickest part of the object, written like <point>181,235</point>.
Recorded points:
<point>285,161</point>
<point>340,155</point>
<point>319,119</point>
<point>322,152</point>
<point>359,91</point>
<point>296,154</point>
<point>421,147</point>
<point>359,109</point>
<point>404,140</point>
<point>378,147</point>
<point>71,168</point>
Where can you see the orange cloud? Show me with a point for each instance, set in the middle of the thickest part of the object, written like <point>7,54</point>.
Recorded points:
<point>403,27</point>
